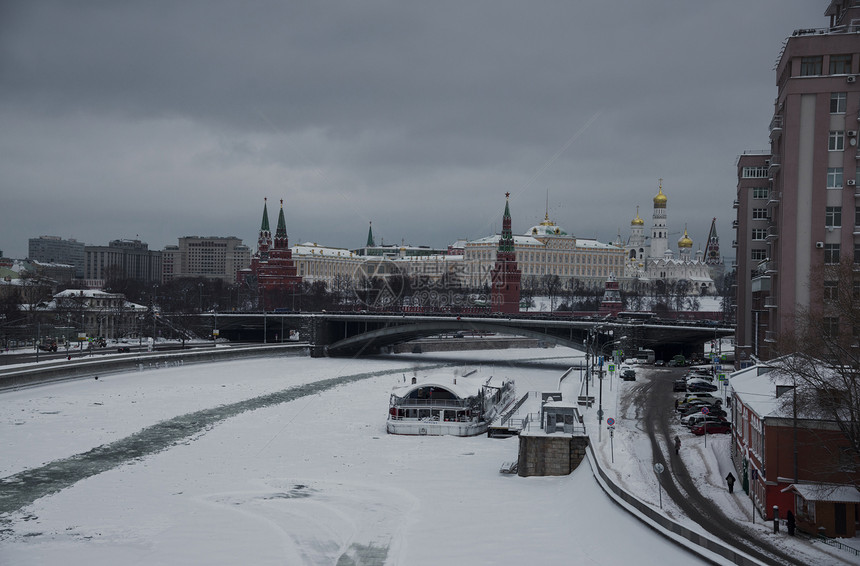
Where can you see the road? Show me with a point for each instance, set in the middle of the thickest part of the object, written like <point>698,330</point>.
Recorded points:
<point>133,347</point>
<point>657,397</point>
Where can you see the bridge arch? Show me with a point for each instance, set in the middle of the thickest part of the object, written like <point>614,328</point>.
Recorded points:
<point>391,335</point>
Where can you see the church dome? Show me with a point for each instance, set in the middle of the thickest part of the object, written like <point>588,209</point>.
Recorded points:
<point>660,199</point>
<point>685,242</point>
<point>637,221</point>
<point>546,228</point>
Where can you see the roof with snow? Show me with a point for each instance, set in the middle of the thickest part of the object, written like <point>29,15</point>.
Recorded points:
<point>310,248</point>
<point>833,493</point>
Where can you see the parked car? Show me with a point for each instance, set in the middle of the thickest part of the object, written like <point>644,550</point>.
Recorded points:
<point>700,418</point>
<point>692,408</point>
<point>699,375</point>
<point>712,428</point>
<point>659,363</point>
<point>628,375</point>
<point>679,385</point>
<point>698,385</point>
<point>700,396</point>
<point>685,408</point>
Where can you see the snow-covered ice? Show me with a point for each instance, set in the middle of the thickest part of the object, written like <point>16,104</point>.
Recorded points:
<point>314,480</point>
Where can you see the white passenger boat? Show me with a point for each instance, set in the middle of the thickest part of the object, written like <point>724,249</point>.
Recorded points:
<point>447,404</point>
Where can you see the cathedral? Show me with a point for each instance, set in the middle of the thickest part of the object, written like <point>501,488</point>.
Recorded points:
<point>650,260</point>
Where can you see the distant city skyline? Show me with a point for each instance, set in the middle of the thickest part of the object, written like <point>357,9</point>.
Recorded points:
<point>154,123</point>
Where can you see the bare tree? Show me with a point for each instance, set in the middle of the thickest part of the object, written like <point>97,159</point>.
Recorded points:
<point>822,355</point>
<point>551,287</point>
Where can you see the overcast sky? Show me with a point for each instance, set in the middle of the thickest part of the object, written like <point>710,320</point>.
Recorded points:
<point>161,119</point>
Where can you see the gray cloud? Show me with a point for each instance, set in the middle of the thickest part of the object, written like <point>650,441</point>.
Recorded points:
<point>164,119</point>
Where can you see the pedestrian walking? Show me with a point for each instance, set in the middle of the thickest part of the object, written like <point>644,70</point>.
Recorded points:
<point>676,403</point>
<point>730,479</point>
<point>789,522</point>
<point>677,445</point>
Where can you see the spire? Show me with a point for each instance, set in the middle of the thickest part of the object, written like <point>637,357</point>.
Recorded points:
<point>281,240</point>
<point>506,242</point>
<point>264,226</point>
<point>370,243</point>
<point>281,232</point>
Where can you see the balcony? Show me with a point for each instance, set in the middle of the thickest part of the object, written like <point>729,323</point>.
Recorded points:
<point>734,243</point>
<point>774,166</point>
<point>776,127</point>
<point>773,198</point>
<point>770,303</point>
<point>770,267</point>
<point>734,224</point>
<point>735,203</point>
<point>772,233</point>
<point>769,336</point>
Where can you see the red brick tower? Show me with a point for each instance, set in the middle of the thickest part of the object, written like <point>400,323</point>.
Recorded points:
<point>273,263</point>
<point>505,292</point>
<point>611,302</point>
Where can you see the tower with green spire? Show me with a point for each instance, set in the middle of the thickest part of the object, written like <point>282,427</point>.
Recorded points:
<point>281,241</point>
<point>264,240</point>
<point>370,242</point>
<point>506,275</point>
<point>273,265</point>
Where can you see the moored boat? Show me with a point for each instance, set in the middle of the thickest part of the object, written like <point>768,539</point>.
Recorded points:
<point>441,404</point>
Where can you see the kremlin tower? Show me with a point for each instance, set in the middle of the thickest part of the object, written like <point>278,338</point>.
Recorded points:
<point>272,266</point>
<point>505,276</point>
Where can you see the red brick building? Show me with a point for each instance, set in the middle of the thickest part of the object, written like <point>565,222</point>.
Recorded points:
<point>781,453</point>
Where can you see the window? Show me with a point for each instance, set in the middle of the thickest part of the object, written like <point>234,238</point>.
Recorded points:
<point>838,101</point>
<point>759,233</point>
<point>758,255</point>
<point>836,141</point>
<point>754,172</point>
<point>810,66</point>
<point>833,216</point>
<point>856,253</point>
<point>831,253</point>
<point>760,192</point>
<point>834,177</point>
<point>759,214</point>
<point>831,290</point>
<point>857,215</point>
<point>840,64</point>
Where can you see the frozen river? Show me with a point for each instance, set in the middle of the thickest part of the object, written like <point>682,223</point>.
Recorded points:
<point>286,461</point>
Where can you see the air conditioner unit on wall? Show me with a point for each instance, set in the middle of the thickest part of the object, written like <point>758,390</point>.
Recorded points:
<point>852,133</point>
<point>819,245</point>
<point>851,79</point>
<point>851,182</point>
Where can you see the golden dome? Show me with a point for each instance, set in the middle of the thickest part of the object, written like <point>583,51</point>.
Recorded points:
<point>660,199</point>
<point>685,242</point>
<point>637,221</point>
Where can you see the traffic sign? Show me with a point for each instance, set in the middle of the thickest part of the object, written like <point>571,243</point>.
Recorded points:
<point>611,367</point>
<point>610,421</point>
<point>721,377</point>
<point>705,410</point>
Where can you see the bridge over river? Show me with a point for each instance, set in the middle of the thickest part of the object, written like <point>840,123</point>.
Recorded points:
<point>351,334</point>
